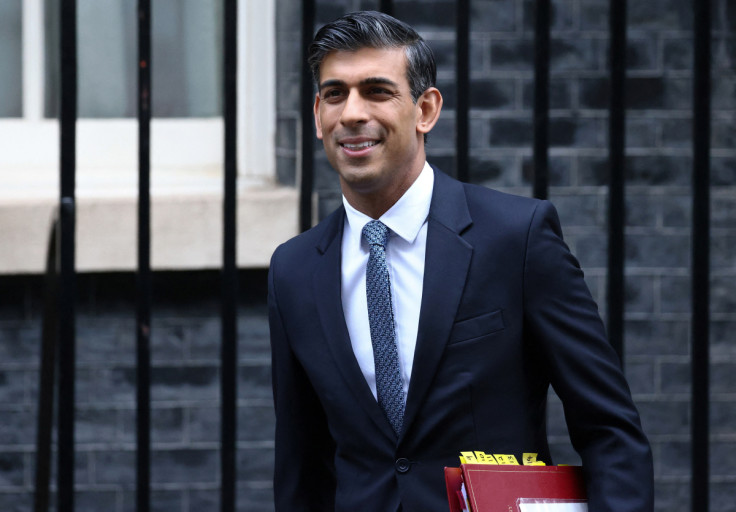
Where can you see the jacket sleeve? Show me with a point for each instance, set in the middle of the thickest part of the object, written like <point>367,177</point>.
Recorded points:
<point>304,474</point>
<point>564,324</point>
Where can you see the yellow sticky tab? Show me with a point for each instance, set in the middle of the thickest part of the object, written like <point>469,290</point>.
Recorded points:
<point>485,458</point>
<point>530,459</point>
<point>506,459</point>
<point>469,457</point>
<point>462,460</point>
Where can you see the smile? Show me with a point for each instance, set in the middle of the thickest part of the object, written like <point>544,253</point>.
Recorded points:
<point>361,145</point>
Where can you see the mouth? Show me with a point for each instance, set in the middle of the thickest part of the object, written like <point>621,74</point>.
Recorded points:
<point>358,148</point>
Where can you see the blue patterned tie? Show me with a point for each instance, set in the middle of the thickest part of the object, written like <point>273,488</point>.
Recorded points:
<point>389,388</point>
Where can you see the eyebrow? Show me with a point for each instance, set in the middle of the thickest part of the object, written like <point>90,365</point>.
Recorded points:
<point>365,81</point>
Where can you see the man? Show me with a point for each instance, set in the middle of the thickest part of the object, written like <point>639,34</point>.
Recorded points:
<point>397,344</point>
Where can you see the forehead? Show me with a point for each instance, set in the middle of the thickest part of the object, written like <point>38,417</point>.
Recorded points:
<point>349,66</point>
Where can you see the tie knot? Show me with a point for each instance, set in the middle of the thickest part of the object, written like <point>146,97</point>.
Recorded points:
<point>376,233</point>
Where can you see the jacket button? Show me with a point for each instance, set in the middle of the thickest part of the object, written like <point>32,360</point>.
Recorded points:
<point>403,465</point>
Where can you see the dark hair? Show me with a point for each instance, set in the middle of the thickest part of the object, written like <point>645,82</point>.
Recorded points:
<point>371,29</point>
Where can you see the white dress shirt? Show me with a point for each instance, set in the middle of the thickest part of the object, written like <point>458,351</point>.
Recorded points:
<point>407,220</point>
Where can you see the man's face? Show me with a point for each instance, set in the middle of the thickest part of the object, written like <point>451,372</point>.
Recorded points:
<point>367,120</point>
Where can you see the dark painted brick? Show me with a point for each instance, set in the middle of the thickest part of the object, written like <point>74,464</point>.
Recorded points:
<point>593,171</point>
<point>641,93</point>
<point>11,469</point>
<point>724,134</point>
<point>591,250</point>
<point>639,294</point>
<point>256,423</point>
<point>256,498</point>
<point>676,377</point>
<point>111,341</point>
<point>96,425</point>
<point>493,16</point>
<point>658,170</point>
<point>723,254</point>
<point>94,501</point>
<point>677,53</point>
<point>671,496</point>
<point>657,337</point>
<point>723,458</point>
<point>511,132</point>
<point>184,465</point>
<point>108,385</point>
<point>424,14</point>
<point>642,132</point>
<point>494,171</point>
<point>723,171</point>
<point>580,210</point>
<point>575,54</point>
<point>660,15</point>
<point>168,341</point>
<point>167,425</point>
<point>166,501</point>
<point>16,501</point>
<point>255,464</point>
<point>642,210</point>
<point>496,94</point>
<point>724,212</point>
<point>676,211</point>
<point>115,467</point>
<point>13,385</point>
<point>721,338</point>
<point>665,418</point>
<point>723,417</point>
<point>640,376</point>
<point>254,381</point>
<point>559,171</point>
<point>17,427</point>
<point>675,460</point>
<point>204,424</point>
<point>677,133</point>
<point>562,15</point>
<point>724,91</point>
<point>641,54</point>
<point>556,425</point>
<point>20,342</point>
<point>444,54</point>
<point>515,54</point>
<point>722,495</point>
<point>560,94</point>
<point>184,383</point>
<point>723,377</point>
<point>723,294</point>
<point>576,132</point>
<point>658,251</point>
<point>675,294</point>
<point>209,499</point>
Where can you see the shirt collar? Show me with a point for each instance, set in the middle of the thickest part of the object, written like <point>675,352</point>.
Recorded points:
<point>406,217</point>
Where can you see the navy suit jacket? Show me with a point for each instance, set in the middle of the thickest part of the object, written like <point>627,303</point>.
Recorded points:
<point>505,313</point>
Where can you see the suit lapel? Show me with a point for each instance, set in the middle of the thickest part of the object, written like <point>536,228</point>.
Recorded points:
<point>446,267</point>
<point>326,284</point>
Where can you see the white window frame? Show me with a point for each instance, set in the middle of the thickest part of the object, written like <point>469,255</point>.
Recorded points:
<point>185,152</point>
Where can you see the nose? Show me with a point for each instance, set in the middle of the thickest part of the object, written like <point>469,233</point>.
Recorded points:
<point>354,110</point>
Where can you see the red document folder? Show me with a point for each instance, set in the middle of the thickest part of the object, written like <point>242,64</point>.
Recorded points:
<point>502,488</point>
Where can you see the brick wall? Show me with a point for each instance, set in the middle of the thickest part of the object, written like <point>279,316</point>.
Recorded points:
<point>185,464</point>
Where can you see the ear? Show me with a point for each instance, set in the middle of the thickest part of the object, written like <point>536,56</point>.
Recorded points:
<point>317,121</point>
<point>429,105</point>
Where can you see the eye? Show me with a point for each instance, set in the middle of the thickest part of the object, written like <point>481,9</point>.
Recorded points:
<point>379,91</point>
<point>331,94</point>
